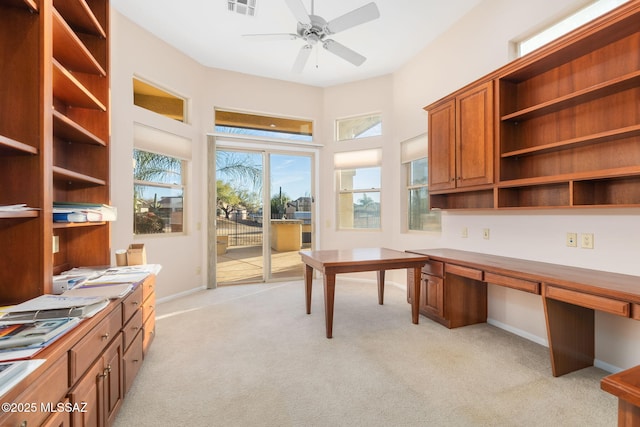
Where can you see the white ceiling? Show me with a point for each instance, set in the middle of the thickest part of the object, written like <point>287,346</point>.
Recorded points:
<point>206,31</point>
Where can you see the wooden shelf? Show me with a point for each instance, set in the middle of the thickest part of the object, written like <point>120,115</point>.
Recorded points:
<point>80,17</point>
<point>481,199</point>
<point>69,90</point>
<point>22,214</point>
<point>68,130</point>
<point>69,50</point>
<point>13,145</point>
<point>600,90</point>
<point>626,132</point>
<point>75,177</point>
<point>29,4</point>
<point>61,225</point>
<point>583,176</point>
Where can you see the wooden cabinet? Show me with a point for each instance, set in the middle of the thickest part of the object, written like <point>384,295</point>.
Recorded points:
<point>461,139</point>
<point>54,138</point>
<point>450,294</point>
<point>568,129</point>
<point>90,368</point>
<point>101,388</point>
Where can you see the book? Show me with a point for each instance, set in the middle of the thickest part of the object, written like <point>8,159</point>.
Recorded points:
<point>93,211</point>
<point>14,335</point>
<point>49,306</point>
<point>69,217</point>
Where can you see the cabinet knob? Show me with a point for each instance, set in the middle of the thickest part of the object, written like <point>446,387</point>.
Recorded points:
<point>105,336</point>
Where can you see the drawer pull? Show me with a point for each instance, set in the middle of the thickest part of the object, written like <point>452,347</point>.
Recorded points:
<point>105,336</point>
<point>135,303</point>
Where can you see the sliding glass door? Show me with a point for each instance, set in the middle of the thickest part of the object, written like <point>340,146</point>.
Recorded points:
<point>263,214</point>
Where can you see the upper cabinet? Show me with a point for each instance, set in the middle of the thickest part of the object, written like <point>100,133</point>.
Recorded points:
<point>461,141</point>
<point>54,138</point>
<point>567,117</point>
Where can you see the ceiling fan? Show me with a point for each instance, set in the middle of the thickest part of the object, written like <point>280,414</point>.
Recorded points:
<point>313,29</point>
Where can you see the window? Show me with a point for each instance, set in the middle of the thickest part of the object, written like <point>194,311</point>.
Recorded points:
<point>359,127</point>
<point>415,164</point>
<point>252,125</point>
<point>159,101</point>
<point>358,186</point>
<point>158,193</point>
<point>160,161</point>
<point>598,8</point>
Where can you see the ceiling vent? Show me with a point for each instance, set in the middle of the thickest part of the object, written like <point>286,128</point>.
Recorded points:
<point>243,7</point>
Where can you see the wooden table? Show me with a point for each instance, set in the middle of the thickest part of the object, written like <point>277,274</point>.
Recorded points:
<point>332,262</point>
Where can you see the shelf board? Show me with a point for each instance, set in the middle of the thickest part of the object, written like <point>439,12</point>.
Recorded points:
<point>580,176</point>
<point>71,176</point>
<point>609,87</point>
<point>29,4</point>
<point>621,133</point>
<point>68,89</point>
<point>21,214</point>
<point>80,16</point>
<point>69,50</point>
<point>7,143</point>
<point>78,224</point>
<point>68,130</point>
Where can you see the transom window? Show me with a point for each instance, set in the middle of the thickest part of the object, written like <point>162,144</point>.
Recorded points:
<point>359,127</point>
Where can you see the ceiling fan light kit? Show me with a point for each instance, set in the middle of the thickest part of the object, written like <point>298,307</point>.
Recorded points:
<point>314,29</point>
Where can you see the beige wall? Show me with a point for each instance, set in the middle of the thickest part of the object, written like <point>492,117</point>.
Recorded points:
<point>475,46</point>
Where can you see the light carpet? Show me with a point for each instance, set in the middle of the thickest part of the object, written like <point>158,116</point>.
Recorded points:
<point>250,356</point>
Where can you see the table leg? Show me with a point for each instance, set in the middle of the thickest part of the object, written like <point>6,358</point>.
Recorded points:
<point>415,302</point>
<point>308,278</point>
<point>571,331</point>
<point>381,287</point>
<point>329,294</point>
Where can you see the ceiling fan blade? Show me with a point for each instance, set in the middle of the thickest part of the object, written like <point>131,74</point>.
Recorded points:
<point>366,13</point>
<point>299,11</point>
<point>343,52</point>
<point>301,59</point>
<point>271,37</point>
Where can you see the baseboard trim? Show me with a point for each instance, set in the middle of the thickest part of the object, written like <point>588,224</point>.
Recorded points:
<point>519,332</point>
<point>180,294</point>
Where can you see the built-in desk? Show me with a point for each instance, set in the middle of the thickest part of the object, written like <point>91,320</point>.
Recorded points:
<point>453,290</point>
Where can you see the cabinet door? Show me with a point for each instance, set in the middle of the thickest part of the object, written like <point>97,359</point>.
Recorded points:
<point>474,143</point>
<point>113,380</point>
<point>433,291</point>
<point>442,135</point>
<point>88,393</point>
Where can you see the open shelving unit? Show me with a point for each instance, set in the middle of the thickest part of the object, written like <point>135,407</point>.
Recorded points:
<point>567,123</point>
<point>54,138</point>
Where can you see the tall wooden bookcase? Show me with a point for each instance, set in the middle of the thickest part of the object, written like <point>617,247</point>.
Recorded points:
<point>54,138</point>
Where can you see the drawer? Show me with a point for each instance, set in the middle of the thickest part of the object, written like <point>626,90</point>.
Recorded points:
<point>148,287</point>
<point>435,268</point>
<point>51,386</point>
<point>619,308</point>
<point>148,306</point>
<point>132,361</point>
<point>468,272</point>
<point>635,311</point>
<point>86,351</point>
<point>132,328</point>
<point>131,304</point>
<point>149,328</point>
<point>512,282</point>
